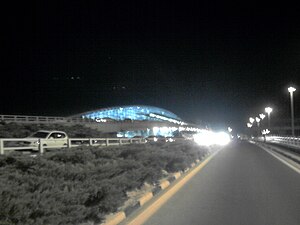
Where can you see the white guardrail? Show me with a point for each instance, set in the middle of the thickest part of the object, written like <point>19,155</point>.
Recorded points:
<point>43,119</point>
<point>287,141</point>
<point>12,144</point>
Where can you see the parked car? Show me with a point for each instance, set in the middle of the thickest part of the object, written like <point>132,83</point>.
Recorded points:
<point>51,139</point>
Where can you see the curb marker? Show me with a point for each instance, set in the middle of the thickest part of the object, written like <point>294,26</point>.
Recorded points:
<point>189,172</point>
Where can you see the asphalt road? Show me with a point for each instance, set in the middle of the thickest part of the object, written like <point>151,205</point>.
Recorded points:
<point>241,185</point>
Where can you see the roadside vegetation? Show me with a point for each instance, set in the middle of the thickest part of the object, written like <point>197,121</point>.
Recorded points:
<point>82,185</point>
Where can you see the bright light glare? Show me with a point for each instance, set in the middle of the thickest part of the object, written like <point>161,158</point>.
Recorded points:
<point>268,110</point>
<point>251,120</point>
<point>266,131</point>
<point>204,138</point>
<point>291,89</point>
<point>208,138</point>
<point>222,138</point>
<point>262,116</point>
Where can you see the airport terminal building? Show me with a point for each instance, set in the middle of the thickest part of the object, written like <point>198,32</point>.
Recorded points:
<point>137,120</point>
<point>139,113</point>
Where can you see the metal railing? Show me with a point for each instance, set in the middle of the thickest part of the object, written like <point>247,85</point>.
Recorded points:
<point>43,119</point>
<point>12,144</point>
<point>287,141</point>
<point>66,120</point>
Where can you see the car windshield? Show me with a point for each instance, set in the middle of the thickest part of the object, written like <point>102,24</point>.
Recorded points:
<point>40,134</point>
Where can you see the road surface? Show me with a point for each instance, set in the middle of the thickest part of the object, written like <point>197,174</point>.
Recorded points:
<point>241,185</point>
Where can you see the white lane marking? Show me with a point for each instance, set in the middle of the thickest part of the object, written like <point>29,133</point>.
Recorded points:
<point>280,159</point>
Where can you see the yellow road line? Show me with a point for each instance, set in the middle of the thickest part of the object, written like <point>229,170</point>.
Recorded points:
<point>148,212</point>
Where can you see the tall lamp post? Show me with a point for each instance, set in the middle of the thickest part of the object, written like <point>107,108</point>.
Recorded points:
<point>291,90</point>
<point>268,110</point>
<point>258,129</point>
<point>262,116</point>
<point>257,121</point>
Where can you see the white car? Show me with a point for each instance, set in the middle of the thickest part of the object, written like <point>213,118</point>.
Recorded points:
<point>51,139</point>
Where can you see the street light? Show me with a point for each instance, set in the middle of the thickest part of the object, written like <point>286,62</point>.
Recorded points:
<point>257,121</point>
<point>249,125</point>
<point>291,90</point>
<point>268,110</point>
<point>251,120</point>
<point>262,116</point>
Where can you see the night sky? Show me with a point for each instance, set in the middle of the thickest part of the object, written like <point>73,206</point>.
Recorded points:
<point>211,63</point>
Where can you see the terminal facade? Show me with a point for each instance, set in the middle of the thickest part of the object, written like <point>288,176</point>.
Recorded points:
<point>138,120</point>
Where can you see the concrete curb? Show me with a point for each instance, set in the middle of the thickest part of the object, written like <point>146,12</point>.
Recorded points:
<point>120,216</point>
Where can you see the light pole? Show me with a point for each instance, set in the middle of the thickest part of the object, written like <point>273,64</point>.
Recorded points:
<point>291,90</point>
<point>262,116</point>
<point>268,110</point>
<point>258,129</point>
<point>257,121</point>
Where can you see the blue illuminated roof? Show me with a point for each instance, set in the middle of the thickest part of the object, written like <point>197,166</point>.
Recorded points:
<point>133,112</point>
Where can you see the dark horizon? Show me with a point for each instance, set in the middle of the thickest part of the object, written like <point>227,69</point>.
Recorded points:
<point>205,63</point>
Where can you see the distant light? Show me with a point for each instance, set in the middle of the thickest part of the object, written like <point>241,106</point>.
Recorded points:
<point>229,129</point>
<point>249,125</point>
<point>291,89</point>
<point>257,119</point>
<point>204,138</point>
<point>222,138</point>
<point>268,110</point>
<point>208,138</point>
<point>266,131</point>
<point>251,120</point>
<point>262,116</point>
<point>166,118</point>
<point>155,130</point>
<point>101,120</point>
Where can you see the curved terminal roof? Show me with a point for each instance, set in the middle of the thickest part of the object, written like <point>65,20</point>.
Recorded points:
<point>132,112</point>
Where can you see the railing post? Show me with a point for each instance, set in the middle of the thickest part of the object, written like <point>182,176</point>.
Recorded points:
<point>91,142</point>
<point>1,147</point>
<point>41,147</point>
<point>120,141</point>
<point>69,143</point>
<point>107,142</point>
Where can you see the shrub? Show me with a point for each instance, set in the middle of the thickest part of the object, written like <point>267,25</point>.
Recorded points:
<point>83,184</point>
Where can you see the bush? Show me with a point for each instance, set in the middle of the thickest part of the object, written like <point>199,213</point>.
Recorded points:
<point>83,184</point>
